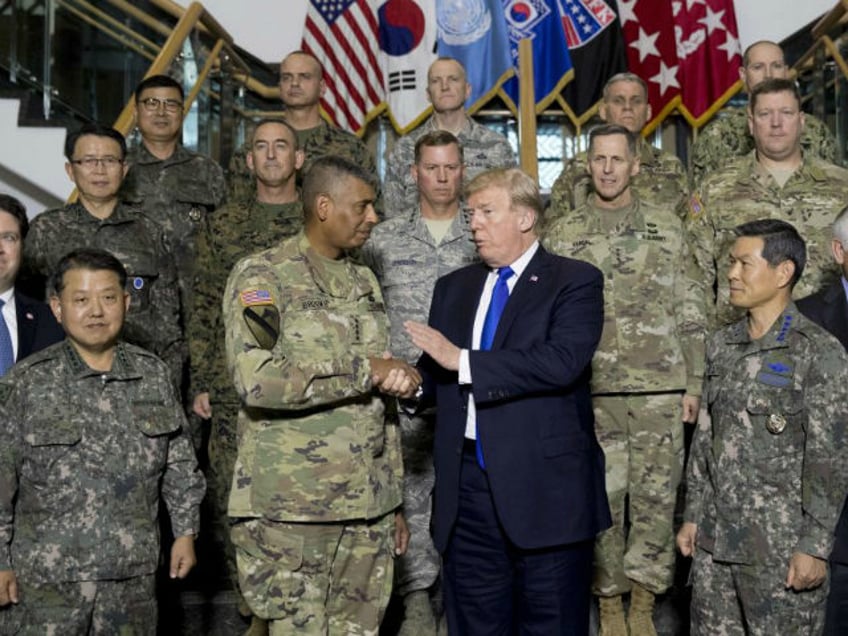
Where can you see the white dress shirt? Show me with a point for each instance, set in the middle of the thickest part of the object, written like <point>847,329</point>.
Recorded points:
<point>11,317</point>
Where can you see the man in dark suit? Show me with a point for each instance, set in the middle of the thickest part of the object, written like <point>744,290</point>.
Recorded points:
<point>828,308</point>
<point>519,493</point>
<point>26,325</point>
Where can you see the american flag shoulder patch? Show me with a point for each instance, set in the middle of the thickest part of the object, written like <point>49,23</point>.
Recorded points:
<point>253,297</point>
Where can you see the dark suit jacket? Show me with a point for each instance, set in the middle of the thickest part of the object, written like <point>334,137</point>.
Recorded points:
<point>828,308</point>
<point>37,328</point>
<point>534,410</point>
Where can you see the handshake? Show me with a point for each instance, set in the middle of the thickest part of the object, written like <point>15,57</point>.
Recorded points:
<point>394,377</point>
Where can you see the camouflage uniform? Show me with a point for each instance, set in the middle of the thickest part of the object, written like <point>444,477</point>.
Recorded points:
<point>324,139</point>
<point>649,354</point>
<point>661,180</point>
<point>153,320</point>
<point>759,496</point>
<point>233,232</point>
<point>728,138</point>
<point>482,149</point>
<point>318,468</point>
<point>744,191</point>
<point>178,193</point>
<point>84,456</point>
<point>407,262</point>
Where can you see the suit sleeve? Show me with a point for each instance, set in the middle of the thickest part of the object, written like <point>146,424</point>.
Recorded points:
<point>553,362</point>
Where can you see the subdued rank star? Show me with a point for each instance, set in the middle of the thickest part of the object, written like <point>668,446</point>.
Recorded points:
<point>713,20</point>
<point>730,46</point>
<point>646,44</point>
<point>666,78</point>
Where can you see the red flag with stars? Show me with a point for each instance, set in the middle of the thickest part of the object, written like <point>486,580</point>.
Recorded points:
<point>709,54</point>
<point>648,28</point>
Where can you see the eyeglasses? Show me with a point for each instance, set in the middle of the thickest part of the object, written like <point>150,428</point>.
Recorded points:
<point>90,163</point>
<point>152,104</point>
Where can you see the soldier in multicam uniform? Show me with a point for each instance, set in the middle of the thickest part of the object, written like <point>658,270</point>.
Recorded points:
<point>317,484</point>
<point>233,232</point>
<point>766,478</point>
<point>730,137</point>
<point>777,180</point>
<point>91,438</point>
<point>176,187</point>
<point>301,87</point>
<point>96,166</point>
<point>447,90</point>
<point>661,178</point>
<point>646,373</point>
<point>408,254</point>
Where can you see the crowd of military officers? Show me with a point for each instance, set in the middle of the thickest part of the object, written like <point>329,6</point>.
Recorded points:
<point>275,307</point>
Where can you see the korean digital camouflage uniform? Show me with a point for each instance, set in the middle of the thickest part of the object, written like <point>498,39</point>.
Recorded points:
<point>153,320</point>
<point>319,469</point>
<point>482,149</point>
<point>403,254</point>
<point>84,456</point>
<point>766,476</point>
<point>661,180</point>
<point>744,191</point>
<point>324,139</point>
<point>651,351</point>
<point>728,138</point>
<point>234,231</point>
<point>179,193</point>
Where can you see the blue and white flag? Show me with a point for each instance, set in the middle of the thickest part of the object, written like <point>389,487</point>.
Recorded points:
<point>475,33</point>
<point>539,21</point>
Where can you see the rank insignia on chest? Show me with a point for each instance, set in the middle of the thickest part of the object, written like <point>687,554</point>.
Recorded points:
<point>253,297</point>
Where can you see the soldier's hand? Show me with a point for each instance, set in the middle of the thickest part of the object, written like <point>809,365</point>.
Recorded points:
<point>401,534</point>
<point>182,557</point>
<point>433,343</point>
<point>395,377</point>
<point>805,572</point>
<point>201,406</point>
<point>8,587</point>
<point>691,404</point>
<point>686,538</point>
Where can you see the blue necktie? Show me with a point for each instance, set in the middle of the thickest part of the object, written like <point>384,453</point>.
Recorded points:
<point>7,355</point>
<point>500,294</point>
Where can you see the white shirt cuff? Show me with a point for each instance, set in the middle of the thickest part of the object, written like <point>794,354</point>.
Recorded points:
<point>464,367</point>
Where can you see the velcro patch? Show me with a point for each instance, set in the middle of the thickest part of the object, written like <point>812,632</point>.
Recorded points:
<point>253,297</point>
<point>264,324</point>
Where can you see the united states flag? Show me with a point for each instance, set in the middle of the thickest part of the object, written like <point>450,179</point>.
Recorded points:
<point>343,34</point>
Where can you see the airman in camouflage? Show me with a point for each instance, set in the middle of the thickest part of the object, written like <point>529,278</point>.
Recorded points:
<point>233,232</point>
<point>447,89</point>
<point>766,478</point>
<point>175,187</point>
<point>318,475</point>
<point>91,438</point>
<point>646,372</point>
<point>99,220</point>
<point>775,181</point>
<point>661,179</point>
<point>729,137</point>
<point>408,253</point>
<point>301,87</point>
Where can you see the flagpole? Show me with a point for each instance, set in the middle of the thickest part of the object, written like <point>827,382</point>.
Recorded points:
<point>527,110</point>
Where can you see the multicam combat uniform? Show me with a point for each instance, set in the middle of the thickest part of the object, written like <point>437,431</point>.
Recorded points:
<point>767,475</point>
<point>153,320</point>
<point>661,180</point>
<point>728,138</point>
<point>482,149</point>
<point>319,470</point>
<point>324,139</point>
<point>178,193</point>
<point>233,232</point>
<point>745,191</point>
<point>407,262</point>
<point>651,351</point>
<point>84,456</point>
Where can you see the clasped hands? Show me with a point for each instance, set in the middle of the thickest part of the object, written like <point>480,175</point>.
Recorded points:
<point>394,377</point>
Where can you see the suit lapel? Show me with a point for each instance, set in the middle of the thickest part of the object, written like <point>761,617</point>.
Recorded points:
<point>466,305</point>
<point>525,288</point>
<point>26,326</point>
